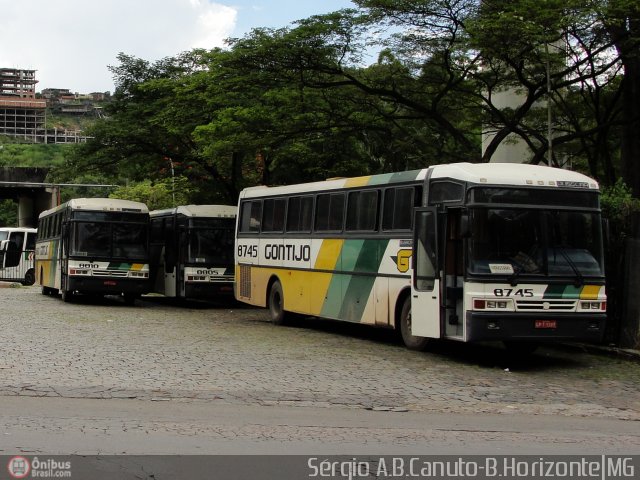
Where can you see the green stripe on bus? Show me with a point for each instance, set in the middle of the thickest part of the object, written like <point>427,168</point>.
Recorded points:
<point>119,266</point>
<point>387,178</point>
<point>331,307</point>
<point>357,288</point>
<point>353,291</point>
<point>562,291</point>
<point>356,293</point>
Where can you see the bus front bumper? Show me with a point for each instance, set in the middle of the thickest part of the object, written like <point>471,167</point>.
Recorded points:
<point>207,290</point>
<point>107,286</point>
<point>483,326</point>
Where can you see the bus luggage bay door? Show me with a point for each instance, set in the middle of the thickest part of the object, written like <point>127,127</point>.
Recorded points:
<point>425,285</point>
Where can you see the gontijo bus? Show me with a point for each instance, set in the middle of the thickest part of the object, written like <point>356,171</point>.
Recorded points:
<point>467,252</point>
<point>94,245</point>
<point>192,251</point>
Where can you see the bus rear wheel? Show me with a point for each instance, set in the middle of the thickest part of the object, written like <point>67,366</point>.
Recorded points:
<point>29,277</point>
<point>411,341</point>
<point>276,304</point>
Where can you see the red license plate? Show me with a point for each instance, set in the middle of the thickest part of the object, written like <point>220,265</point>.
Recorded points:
<point>110,283</point>
<point>546,324</point>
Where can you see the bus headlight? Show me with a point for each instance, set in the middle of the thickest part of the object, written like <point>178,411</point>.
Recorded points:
<point>504,304</point>
<point>591,305</point>
<point>197,278</point>
<point>139,274</point>
<point>79,271</point>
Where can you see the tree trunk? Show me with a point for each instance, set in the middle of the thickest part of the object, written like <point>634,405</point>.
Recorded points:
<point>630,148</point>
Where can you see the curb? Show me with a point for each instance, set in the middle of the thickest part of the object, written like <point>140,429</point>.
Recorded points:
<point>612,351</point>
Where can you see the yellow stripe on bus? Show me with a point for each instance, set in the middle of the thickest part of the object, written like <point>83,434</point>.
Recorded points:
<point>328,254</point>
<point>357,182</point>
<point>590,292</point>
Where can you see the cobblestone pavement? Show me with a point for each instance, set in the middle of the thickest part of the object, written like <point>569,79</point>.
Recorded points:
<point>157,350</point>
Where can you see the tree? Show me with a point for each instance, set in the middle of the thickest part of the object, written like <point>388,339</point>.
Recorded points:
<point>148,129</point>
<point>166,193</point>
<point>621,20</point>
<point>301,103</point>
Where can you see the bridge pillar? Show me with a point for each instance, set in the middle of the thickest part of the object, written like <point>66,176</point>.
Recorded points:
<point>26,212</point>
<point>29,207</point>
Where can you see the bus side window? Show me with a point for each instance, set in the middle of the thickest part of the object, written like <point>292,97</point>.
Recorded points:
<point>156,235</point>
<point>251,213</point>
<point>299,214</point>
<point>156,230</point>
<point>398,208</point>
<point>425,252</point>
<point>273,215</point>
<point>329,212</point>
<point>31,241</point>
<point>443,191</point>
<point>42,228</point>
<point>14,249</point>
<point>170,253</point>
<point>56,228</point>
<point>362,211</point>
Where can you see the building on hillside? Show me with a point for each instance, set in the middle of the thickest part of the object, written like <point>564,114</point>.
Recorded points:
<point>54,93</point>
<point>21,113</point>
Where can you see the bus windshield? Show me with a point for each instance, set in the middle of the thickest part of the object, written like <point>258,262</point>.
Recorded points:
<point>109,240</point>
<point>534,242</point>
<point>211,242</point>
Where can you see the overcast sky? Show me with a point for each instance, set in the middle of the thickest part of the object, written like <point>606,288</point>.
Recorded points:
<point>72,42</point>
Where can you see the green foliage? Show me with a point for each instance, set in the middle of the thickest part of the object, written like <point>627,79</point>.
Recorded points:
<point>618,205</point>
<point>299,103</point>
<point>165,193</point>
<point>32,155</point>
<point>8,213</point>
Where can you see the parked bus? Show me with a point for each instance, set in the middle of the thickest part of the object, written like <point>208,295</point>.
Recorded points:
<point>94,246</point>
<point>17,249</point>
<point>192,251</point>
<point>467,252</point>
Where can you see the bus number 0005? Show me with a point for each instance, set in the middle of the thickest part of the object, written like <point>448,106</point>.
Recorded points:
<point>507,292</point>
<point>248,251</point>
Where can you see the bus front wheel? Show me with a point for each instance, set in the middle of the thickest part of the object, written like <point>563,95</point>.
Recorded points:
<point>130,298</point>
<point>67,295</point>
<point>411,341</point>
<point>276,304</point>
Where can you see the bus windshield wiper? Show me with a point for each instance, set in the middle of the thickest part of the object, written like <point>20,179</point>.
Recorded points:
<point>576,270</point>
<point>513,279</point>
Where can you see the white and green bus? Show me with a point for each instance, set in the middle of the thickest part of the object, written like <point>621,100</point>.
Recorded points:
<point>94,246</point>
<point>192,251</point>
<point>467,252</point>
<point>17,253</point>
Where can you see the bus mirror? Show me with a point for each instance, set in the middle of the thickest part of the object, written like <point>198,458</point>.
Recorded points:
<point>465,227</point>
<point>3,245</point>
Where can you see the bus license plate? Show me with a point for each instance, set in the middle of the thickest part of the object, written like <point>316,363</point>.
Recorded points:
<point>110,283</point>
<point>546,324</point>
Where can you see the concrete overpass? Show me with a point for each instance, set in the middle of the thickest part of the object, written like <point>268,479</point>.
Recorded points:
<point>26,186</point>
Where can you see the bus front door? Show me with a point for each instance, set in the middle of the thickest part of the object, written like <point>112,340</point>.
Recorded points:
<point>425,285</point>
